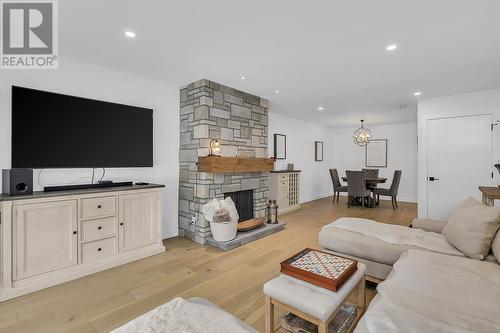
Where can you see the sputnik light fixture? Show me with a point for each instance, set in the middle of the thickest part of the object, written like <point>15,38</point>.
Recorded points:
<point>362,136</point>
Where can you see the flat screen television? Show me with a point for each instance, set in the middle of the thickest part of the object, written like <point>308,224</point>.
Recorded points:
<point>52,130</point>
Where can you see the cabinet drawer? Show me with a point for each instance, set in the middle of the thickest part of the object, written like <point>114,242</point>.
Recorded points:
<point>100,228</point>
<point>98,207</point>
<point>99,249</point>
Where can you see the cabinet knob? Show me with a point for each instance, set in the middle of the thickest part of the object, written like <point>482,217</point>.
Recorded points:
<point>99,228</point>
<point>99,206</point>
<point>121,223</point>
<point>74,232</point>
<point>99,249</point>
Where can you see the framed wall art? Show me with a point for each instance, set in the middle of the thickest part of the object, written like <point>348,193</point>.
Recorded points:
<point>280,146</point>
<point>376,153</point>
<point>318,151</point>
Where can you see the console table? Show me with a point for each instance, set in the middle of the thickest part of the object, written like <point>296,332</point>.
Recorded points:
<point>48,238</point>
<point>489,194</point>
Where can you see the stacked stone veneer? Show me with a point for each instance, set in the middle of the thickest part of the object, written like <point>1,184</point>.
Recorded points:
<point>209,110</point>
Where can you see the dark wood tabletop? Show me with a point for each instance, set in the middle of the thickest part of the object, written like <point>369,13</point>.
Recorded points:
<point>378,180</point>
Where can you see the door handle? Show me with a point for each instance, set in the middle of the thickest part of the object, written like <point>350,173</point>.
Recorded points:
<point>431,179</point>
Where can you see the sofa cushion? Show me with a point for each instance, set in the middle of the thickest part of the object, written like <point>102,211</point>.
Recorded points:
<point>359,245</point>
<point>495,247</point>
<point>472,227</point>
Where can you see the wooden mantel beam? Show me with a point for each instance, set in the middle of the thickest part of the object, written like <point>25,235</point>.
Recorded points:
<point>219,164</point>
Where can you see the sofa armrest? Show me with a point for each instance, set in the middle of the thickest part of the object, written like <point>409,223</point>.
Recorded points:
<point>428,225</point>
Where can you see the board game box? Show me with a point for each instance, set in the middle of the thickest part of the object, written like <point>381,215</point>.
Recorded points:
<point>320,268</point>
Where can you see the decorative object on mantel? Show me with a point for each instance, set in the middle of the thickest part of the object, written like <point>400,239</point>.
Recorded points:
<point>223,218</point>
<point>362,136</point>
<point>318,151</point>
<point>272,212</point>
<point>220,164</point>
<point>290,167</point>
<point>280,146</point>
<point>214,147</point>
<point>376,153</point>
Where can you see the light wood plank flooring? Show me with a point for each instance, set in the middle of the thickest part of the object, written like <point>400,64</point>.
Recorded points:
<point>232,280</point>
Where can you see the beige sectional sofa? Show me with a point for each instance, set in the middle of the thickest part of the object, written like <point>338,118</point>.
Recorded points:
<point>435,277</point>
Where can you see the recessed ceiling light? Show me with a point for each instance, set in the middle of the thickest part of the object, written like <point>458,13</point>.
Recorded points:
<point>242,77</point>
<point>391,47</point>
<point>320,108</point>
<point>417,93</point>
<point>130,34</point>
<point>277,91</point>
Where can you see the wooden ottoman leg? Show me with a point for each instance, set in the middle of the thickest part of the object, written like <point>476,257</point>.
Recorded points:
<point>362,294</point>
<point>322,327</point>
<point>269,306</point>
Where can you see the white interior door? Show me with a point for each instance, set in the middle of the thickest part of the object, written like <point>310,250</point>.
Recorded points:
<point>459,160</point>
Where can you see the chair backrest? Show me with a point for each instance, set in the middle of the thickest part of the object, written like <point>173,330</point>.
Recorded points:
<point>395,182</point>
<point>371,173</point>
<point>335,178</point>
<point>356,183</point>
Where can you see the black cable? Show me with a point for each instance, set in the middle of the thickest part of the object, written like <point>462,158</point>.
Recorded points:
<point>93,173</point>
<point>103,173</point>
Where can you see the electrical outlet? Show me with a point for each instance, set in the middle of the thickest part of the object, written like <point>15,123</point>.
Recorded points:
<point>193,219</point>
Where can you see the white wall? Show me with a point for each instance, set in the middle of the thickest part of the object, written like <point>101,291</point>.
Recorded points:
<point>300,137</point>
<point>401,155</point>
<point>483,102</point>
<point>91,81</point>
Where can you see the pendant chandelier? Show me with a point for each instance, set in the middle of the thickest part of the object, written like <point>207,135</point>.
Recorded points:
<point>362,136</point>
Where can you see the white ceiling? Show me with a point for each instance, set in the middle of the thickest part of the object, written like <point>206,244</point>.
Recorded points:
<point>317,53</point>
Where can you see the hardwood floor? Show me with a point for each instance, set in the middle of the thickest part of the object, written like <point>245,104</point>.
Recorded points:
<point>232,280</point>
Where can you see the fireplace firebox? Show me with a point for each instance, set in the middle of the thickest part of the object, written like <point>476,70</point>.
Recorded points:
<point>243,200</point>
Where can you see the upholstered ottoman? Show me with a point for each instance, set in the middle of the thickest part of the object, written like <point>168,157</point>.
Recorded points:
<point>310,302</point>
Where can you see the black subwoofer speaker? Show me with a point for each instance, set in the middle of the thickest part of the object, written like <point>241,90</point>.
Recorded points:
<point>17,181</point>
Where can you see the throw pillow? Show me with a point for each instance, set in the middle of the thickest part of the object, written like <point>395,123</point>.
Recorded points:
<point>472,227</point>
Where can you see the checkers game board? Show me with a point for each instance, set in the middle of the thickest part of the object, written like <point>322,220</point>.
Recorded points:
<point>320,268</point>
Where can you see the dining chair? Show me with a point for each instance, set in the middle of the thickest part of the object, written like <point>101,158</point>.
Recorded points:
<point>337,185</point>
<point>390,192</point>
<point>371,174</point>
<point>356,187</point>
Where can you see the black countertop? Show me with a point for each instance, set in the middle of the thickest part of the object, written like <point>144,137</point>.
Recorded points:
<point>42,194</point>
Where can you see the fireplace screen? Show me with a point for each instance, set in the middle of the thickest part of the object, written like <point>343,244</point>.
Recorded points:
<point>243,201</point>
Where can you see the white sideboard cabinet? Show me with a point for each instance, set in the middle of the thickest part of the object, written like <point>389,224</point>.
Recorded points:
<point>50,238</point>
<point>285,189</point>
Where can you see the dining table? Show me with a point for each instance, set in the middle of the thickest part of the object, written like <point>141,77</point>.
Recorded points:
<point>371,181</point>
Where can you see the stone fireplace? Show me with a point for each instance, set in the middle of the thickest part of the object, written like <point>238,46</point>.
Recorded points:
<point>209,110</point>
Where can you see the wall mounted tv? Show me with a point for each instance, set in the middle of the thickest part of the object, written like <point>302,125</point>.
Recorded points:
<point>52,130</point>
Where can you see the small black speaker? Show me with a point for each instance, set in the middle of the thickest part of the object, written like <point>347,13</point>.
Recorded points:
<point>17,181</point>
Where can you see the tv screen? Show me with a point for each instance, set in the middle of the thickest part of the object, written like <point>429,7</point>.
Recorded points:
<point>52,130</point>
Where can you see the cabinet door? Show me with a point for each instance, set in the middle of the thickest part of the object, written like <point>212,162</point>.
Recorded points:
<point>138,216</point>
<point>45,238</point>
